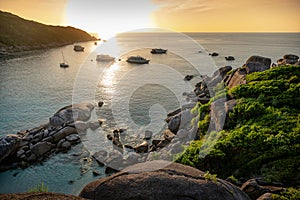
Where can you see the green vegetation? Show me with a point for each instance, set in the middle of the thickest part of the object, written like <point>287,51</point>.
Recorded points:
<point>262,136</point>
<point>210,177</point>
<point>39,188</point>
<point>18,34</point>
<point>289,194</point>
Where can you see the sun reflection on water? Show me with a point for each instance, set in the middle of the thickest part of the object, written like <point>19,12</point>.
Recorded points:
<point>109,77</point>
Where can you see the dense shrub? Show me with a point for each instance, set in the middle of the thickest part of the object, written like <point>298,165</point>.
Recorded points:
<point>263,134</point>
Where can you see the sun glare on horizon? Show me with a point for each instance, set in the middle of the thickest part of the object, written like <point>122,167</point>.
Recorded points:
<point>107,18</point>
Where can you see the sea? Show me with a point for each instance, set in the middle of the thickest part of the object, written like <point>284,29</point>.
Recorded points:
<point>136,97</point>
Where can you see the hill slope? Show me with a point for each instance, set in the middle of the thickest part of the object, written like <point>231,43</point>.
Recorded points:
<point>262,136</point>
<point>18,34</point>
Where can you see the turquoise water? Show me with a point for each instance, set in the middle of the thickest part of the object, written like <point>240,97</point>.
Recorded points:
<point>136,97</point>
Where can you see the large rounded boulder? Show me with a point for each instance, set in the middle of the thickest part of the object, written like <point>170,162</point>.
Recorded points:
<point>257,64</point>
<point>72,113</point>
<point>161,180</point>
<point>8,146</point>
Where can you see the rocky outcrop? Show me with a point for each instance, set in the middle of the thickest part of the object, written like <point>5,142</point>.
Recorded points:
<point>257,64</point>
<point>253,64</point>
<point>161,180</point>
<point>34,145</point>
<point>222,72</point>
<point>180,120</point>
<point>174,123</point>
<point>62,133</point>
<point>236,78</point>
<point>254,190</point>
<point>41,148</point>
<point>266,196</point>
<point>180,131</point>
<point>214,54</point>
<point>9,146</point>
<point>217,114</point>
<point>204,89</point>
<point>255,67</point>
<point>288,59</point>
<point>230,77</point>
<point>142,148</point>
<point>72,113</point>
<point>217,77</point>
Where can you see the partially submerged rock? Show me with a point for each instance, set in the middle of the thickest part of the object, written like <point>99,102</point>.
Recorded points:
<point>72,113</point>
<point>38,143</point>
<point>289,59</point>
<point>9,146</point>
<point>142,148</point>
<point>214,54</point>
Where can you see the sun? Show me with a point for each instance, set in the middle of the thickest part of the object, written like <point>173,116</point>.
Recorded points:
<point>109,17</point>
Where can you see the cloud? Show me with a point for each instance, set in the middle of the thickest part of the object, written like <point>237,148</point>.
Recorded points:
<point>170,6</point>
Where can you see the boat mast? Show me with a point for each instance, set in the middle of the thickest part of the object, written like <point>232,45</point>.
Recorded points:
<point>63,57</point>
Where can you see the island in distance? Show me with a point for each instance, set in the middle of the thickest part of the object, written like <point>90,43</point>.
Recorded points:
<point>18,35</point>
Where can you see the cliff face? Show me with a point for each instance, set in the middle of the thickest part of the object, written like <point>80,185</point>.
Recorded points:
<point>18,34</point>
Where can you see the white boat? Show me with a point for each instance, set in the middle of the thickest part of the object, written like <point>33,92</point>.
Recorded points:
<point>137,60</point>
<point>64,64</point>
<point>158,51</point>
<point>78,48</point>
<point>104,58</point>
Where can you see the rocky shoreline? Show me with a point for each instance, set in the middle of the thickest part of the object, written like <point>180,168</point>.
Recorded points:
<point>180,129</point>
<point>62,131</point>
<point>58,135</point>
<point>17,51</point>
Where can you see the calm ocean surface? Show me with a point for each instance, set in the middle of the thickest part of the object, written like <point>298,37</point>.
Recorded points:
<point>33,87</point>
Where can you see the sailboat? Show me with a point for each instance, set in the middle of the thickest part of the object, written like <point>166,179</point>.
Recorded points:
<point>63,64</point>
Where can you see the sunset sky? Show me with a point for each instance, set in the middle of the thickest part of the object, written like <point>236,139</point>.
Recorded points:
<point>112,16</point>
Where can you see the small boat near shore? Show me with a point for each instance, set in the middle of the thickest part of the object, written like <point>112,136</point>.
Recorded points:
<point>78,48</point>
<point>158,51</point>
<point>229,58</point>
<point>137,60</point>
<point>104,58</point>
<point>64,64</point>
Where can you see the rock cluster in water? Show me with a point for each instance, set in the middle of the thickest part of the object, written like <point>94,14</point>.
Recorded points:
<point>58,135</point>
<point>233,77</point>
<point>180,126</point>
<point>165,146</point>
<point>289,59</point>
